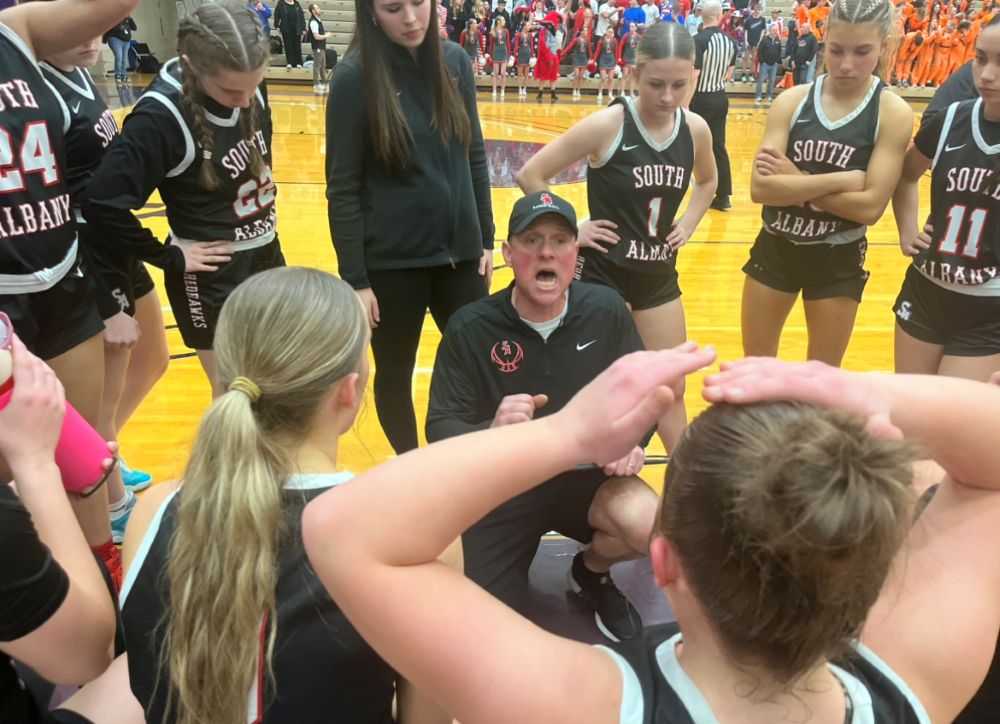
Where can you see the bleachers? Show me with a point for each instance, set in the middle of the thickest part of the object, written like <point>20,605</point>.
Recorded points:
<point>338,18</point>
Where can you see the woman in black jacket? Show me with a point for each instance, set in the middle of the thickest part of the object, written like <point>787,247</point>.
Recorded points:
<point>119,39</point>
<point>459,12</point>
<point>290,21</point>
<point>408,189</point>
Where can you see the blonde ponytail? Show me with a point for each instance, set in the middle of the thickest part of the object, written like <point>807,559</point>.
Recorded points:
<point>284,338</point>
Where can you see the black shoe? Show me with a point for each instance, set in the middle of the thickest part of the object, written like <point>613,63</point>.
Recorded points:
<point>554,97</point>
<point>614,615</point>
<point>721,203</point>
<point>539,98</point>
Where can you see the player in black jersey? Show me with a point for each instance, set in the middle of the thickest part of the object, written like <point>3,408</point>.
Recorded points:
<point>123,299</point>
<point>642,155</point>
<point>948,310</point>
<point>785,544</point>
<point>42,287</point>
<point>218,564</point>
<point>827,166</point>
<point>201,135</point>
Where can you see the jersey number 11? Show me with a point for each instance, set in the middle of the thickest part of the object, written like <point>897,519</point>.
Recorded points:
<point>956,219</point>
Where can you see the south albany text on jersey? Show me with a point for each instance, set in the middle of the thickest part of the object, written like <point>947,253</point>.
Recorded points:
<point>35,217</point>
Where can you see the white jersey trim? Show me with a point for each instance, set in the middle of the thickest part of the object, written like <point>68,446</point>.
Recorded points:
<point>658,147</point>
<point>863,711</point>
<point>821,114</point>
<point>799,108</point>
<point>633,705</point>
<point>294,482</point>
<point>67,119</point>
<point>147,543</point>
<point>698,708</point>
<point>185,131</point>
<point>41,280</point>
<point>612,149</point>
<point>316,481</point>
<point>977,132</point>
<point>234,116</point>
<point>19,43</point>
<point>875,660</point>
<point>989,288</point>
<point>255,243</point>
<point>945,129</point>
<point>84,90</point>
<point>839,239</point>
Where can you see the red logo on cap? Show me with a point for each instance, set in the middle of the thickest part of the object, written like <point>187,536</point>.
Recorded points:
<point>507,356</point>
<point>546,200</point>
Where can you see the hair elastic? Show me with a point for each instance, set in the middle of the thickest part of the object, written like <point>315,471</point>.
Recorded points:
<point>247,386</point>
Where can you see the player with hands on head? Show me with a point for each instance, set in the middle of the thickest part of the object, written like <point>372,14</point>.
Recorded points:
<point>643,154</point>
<point>460,480</point>
<point>808,577</point>
<point>520,355</point>
<point>948,309</point>
<point>826,169</point>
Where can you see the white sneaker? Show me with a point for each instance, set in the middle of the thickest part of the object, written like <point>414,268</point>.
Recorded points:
<point>288,67</point>
<point>502,94</point>
<point>600,97</point>
<point>494,95</point>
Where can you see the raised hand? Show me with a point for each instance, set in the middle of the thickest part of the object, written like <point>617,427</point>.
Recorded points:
<point>608,417</point>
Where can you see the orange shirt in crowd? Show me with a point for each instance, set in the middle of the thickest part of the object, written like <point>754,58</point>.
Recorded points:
<point>801,14</point>
<point>817,19</point>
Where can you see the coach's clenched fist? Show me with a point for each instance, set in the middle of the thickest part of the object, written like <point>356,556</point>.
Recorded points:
<point>518,408</point>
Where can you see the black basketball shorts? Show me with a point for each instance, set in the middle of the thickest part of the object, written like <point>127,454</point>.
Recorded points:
<point>55,321</point>
<point>498,550</point>
<point>964,324</point>
<point>640,290</point>
<point>819,271</point>
<point>196,299</point>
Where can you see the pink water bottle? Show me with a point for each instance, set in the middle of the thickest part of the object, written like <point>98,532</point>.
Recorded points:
<point>81,451</point>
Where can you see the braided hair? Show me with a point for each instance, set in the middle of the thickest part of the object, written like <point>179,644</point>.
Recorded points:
<point>224,35</point>
<point>881,13</point>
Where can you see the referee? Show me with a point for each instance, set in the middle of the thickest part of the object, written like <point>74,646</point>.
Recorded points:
<point>715,56</point>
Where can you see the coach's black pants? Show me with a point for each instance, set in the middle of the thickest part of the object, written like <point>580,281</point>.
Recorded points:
<point>714,107</point>
<point>292,42</point>
<point>404,296</point>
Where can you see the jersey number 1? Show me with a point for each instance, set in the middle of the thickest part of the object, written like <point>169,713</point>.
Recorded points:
<point>956,219</point>
<point>653,223</point>
<point>35,157</point>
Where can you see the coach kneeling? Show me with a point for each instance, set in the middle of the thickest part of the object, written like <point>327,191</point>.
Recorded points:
<point>524,352</point>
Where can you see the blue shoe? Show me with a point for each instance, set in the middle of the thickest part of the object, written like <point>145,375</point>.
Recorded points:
<point>120,520</point>
<point>134,480</point>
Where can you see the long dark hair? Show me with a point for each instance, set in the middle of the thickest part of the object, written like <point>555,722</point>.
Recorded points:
<point>389,131</point>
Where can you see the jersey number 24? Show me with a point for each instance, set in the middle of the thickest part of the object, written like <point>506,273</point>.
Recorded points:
<point>35,157</point>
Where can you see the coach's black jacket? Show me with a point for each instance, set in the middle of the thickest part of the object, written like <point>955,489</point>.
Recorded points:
<point>436,212</point>
<point>488,352</point>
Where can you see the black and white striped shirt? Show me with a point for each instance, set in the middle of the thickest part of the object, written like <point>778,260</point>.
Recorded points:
<point>715,52</point>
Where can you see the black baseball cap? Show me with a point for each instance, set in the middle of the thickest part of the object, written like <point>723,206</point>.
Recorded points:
<point>534,206</point>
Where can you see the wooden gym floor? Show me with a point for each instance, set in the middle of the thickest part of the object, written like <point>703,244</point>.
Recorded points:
<point>158,437</point>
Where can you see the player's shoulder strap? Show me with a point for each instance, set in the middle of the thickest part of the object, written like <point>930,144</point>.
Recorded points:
<point>619,136</point>
<point>648,696</point>
<point>163,98</point>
